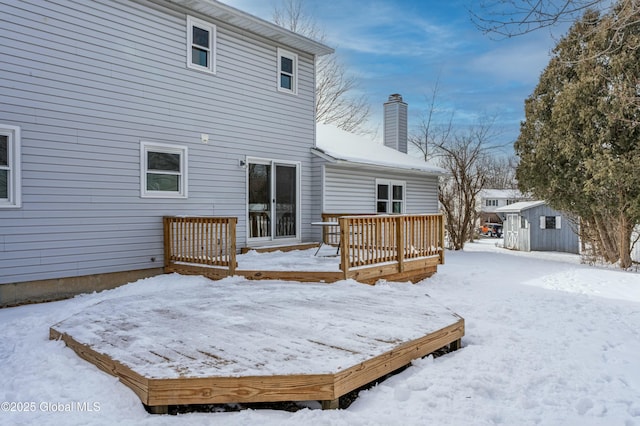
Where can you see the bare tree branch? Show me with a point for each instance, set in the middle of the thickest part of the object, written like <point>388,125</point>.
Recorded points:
<point>508,18</point>
<point>336,102</point>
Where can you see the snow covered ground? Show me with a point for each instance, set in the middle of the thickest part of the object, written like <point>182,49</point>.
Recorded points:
<point>548,341</point>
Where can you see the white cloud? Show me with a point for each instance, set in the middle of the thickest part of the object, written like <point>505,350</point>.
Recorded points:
<point>522,63</point>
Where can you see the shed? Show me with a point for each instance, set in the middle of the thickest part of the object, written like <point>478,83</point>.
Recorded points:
<point>535,226</point>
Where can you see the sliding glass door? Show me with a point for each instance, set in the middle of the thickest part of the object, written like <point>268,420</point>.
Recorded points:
<point>273,192</point>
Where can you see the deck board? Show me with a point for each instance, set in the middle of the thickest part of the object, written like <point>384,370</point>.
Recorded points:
<point>241,345</point>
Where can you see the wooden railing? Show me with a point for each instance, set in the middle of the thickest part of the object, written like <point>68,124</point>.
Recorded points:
<point>331,234</point>
<point>371,240</point>
<point>207,241</point>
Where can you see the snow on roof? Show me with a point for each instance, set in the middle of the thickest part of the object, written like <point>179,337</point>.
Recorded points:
<point>501,193</point>
<point>520,206</point>
<point>347,147</point>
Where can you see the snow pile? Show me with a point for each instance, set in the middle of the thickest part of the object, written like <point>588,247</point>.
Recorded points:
<point>547,342</point>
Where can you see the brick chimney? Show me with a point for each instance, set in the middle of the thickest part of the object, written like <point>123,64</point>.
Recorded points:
<point>395,123</point>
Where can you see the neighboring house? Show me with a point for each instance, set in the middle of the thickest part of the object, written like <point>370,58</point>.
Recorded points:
<point>534,226</point>
<point>353,174</point>
<point>489,200</point>
<point>115,113</point>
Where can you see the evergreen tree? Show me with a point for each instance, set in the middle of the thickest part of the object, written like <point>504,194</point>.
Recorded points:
<point>579,144</point>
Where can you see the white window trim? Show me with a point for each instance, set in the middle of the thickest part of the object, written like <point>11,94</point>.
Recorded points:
<point>543,222</point>
<point>168,148</point>
<point>391,183</point>
<point>191,22</point>
<point>294,76</point>
<point>14,199</point>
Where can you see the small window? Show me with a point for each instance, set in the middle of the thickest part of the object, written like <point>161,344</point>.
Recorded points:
<point>10,189</point>
<point>550,222</point>
<point>287,71</point>
<point>163,170</point>
<point>201,44</point>
<point>390,196</point>
<point>491,203</point>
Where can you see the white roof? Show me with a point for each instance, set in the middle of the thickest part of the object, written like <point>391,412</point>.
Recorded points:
<point>339,146</point>
<point>520,206</point>
<point>501,193</point>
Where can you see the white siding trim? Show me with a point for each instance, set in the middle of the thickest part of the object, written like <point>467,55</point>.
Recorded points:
<point>168,148</point>
<point>14,184</point>
<point>294,75</point>
<point>390,184</point>
<point>211,66</point>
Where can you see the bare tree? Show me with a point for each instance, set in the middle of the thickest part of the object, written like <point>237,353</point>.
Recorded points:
<point>336,99</point>
<point>290,15</point>
<point>465,158</point>
<point>431,132</point>
<point>501,172</point>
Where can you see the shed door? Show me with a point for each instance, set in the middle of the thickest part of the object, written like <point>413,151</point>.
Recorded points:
<point>511,231</point>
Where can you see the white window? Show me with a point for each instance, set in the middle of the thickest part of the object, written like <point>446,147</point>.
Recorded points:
<point>390,196</point>
<point>10,187</point>
<point>491,203</point>
<point>287,71</point>
<point>201,45</point>
<point>163,170</point>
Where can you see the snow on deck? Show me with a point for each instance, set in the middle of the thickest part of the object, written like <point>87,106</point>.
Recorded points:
<point>236,327</point>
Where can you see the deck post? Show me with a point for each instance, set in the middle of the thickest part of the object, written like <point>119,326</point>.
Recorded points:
<point>156,409</point>
<point>331,404</point>
<point>344,245</point>
<point>441,226</point>
<point>232,245</point>
<point>168,241</point>
<point>400,242</point>
<point>455,345</point>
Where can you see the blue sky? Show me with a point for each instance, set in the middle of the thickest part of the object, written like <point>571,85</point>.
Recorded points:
<point>407,46</point>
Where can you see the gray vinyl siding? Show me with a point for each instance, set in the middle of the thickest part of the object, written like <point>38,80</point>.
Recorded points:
<point>87,81</point>
<point>564,239</point>
<point>351,189</point>
<point>317,194</point>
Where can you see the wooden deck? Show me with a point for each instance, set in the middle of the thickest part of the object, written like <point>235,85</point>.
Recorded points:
<point>371,247</point>
<point>242,345</point>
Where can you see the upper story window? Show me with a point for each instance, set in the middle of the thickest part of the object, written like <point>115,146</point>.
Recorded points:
<point>163,170</point>
<point>287,71</point>
<point>10,190</point>
<point>491,203</point>
<point>390,196</point>
<point>201,45</point>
